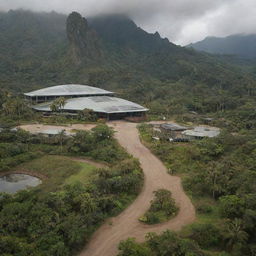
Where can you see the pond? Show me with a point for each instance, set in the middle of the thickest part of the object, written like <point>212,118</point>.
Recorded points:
<point>11,183</point>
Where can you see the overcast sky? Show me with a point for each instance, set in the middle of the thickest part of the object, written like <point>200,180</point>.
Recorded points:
<point>181,21</point>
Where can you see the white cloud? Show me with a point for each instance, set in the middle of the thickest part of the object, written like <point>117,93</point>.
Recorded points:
<point>182,21</point>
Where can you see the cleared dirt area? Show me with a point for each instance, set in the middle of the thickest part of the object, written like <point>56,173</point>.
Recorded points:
<point>42,128</point>
<point>106,239</point>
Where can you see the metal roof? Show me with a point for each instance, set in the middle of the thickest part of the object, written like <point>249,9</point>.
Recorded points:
<point>101,104</point>
<point>173,127</point>
<point>68,90</point>
<point>202,131</point>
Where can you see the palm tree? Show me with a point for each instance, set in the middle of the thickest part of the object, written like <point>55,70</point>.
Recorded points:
<point>9,107</point>
<point>213,177</point>
<point>61,138</point>
<point>61,102</point>
<point>235,235</point>
<point>58,104</point>
<point>54,107</point>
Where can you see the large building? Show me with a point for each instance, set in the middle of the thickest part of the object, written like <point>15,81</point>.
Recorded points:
<point>66,90</point>
<point>80,97</point>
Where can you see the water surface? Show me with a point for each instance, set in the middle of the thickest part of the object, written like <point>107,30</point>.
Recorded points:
<point>11,183</point>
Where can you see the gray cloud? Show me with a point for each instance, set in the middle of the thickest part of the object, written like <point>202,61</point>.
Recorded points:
<point>182,21</point>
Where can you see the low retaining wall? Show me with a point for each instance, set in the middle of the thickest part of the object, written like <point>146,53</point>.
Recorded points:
<point>135,119</point>
<point>37,175</point>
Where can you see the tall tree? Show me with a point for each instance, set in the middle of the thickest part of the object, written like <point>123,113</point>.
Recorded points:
<point>235,235</point>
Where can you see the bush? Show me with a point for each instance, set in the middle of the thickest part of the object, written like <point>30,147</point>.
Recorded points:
<point>9,162</point>
<point>205,208</point>
<point>9,149</point>
<point>232,206</point>
<point>125,177</point>
<point>162,208</point>
<point>169,243</point>
<point>131,248</point>
<point>206,235</point>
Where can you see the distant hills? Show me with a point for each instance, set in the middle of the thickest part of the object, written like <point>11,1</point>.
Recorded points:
<point>112,52</point>
<point>39,49</point>
<point>243,46</point>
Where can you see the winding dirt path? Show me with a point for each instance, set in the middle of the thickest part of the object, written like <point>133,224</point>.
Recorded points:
<point>105,240</point>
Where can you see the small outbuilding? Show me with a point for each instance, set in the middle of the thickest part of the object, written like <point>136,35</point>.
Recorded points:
<point>172,130</point>
<point>201,132</point>
<point>172,127</point>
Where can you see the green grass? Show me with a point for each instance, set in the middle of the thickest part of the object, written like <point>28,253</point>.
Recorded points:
<point>82,176</point>
<point>206,212</point>
<point>59,170</point>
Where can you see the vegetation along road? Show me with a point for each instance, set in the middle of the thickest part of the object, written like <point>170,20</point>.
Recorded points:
<point>106,239</point>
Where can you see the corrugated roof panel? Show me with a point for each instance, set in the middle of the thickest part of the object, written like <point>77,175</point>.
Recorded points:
<point>102,99</point>
<point>102,104</point>
<point>202,131</point>
<point>68,90</point>
<point>173,127</point>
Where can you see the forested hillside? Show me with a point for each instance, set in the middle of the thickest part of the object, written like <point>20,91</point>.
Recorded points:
<point>243,46</point>
<point>44,49</point>
<point>30,44</point>
<point>58,217</point>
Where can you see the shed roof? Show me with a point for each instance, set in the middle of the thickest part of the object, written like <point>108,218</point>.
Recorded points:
<point>101,104</point>
<point>173,127</point>
<point>202,131</point>
<point>68,90</point>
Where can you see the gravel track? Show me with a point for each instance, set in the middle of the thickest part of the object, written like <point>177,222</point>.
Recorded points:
<point>105,240</point>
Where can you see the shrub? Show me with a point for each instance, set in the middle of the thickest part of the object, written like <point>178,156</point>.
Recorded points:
<point>232,206</point>
<point>162,208</point>
<point>205,208</point>
<point>206,235</point>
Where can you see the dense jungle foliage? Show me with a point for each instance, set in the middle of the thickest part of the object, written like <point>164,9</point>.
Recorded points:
<point>168,243</point>
<point>57,218</point>
<point>219,174</point>
<point>19,146</point>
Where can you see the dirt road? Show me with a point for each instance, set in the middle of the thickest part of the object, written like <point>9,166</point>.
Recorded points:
<point>106,239</point>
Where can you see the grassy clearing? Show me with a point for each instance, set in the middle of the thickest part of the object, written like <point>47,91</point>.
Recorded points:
<point>207,212</point>
<point>59,170</point>
<point>82,176</point>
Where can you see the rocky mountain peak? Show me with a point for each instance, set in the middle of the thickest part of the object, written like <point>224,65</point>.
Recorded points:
<point>83,40</point>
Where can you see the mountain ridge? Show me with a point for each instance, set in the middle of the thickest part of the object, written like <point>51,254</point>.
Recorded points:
<point>113,53</point>
<point>240,45</point>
